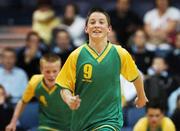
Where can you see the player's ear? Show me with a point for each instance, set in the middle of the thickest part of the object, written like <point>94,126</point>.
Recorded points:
<point>109,28</point>
<point>86,30</point>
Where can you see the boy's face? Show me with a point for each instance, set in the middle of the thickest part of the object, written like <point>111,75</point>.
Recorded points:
<point>154,117</point>
<point>50,72</point>
<point>97,26</point>
<point>159,65</point>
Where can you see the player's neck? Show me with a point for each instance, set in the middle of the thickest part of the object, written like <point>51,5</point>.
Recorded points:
<point>98,45</point>
<point>49,86</point>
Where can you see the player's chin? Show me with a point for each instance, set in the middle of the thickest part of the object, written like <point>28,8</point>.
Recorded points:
<point>97,36</point>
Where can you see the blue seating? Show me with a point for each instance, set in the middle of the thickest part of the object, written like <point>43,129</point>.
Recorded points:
<point>29,117</point>
<point>126,129</point>
<point>133,115</point>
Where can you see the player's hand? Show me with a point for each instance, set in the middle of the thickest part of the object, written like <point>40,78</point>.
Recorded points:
<point>140,102</point>
<point>73,102</point>
<point>11,127</point>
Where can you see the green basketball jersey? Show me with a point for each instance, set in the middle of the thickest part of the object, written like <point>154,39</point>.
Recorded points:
<point>96,78</point>
<point>54,114</point>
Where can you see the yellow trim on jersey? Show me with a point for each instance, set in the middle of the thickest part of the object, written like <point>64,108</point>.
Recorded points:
<point>30,88</point>
<point>100,57</point>
<point>47,128</point>
<point>105,52</point>
<point>92,52</point>
<point>103,127</point>
<point>166,124</point>
<point>128,66</point>
<point>67,76</point>
<point>48,90</point>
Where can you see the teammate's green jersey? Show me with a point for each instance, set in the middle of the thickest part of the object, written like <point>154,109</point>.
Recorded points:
<point>54,114</point>
<point>96,78</point>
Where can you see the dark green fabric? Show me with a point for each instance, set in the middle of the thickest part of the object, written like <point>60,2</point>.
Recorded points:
<point>56,114</point>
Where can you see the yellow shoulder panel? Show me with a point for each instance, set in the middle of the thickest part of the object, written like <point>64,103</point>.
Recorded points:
<point>30,88</point>
<point>168,125</point>
<point>67,76</point>
<point>141,125</point>
<point>128,66</point>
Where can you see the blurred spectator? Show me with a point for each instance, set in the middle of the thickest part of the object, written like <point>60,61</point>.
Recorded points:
<point>6,109</point>
<point>176,114</point>
<point>161,83</point>
<point>74,23</point>
<point>171,101</point>
<point>174,57</point>
<point>112,37</point>
<point>44,20</point>
<point>128,91</point>
<point>13,79</point>
<point>138,50</point>
<point>154,119</point>
<point>124,21</point>
<point>161,22</point>
<point>63,44</point>
<point>28,57</point>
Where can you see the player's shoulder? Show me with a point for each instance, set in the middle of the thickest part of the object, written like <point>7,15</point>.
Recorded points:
<point>35,79</point>
<point>166,120</point>
<point>77,51</point>
<point>121,51</point>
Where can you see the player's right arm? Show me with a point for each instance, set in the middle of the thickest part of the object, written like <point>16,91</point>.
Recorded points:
<point>18,110</point>
<point>67,79</point>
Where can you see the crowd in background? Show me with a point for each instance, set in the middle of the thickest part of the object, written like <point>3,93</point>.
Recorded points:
<point>153,41</point>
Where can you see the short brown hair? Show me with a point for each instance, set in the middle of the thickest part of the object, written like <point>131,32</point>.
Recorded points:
<point>50,58</point>
<point>100,11</point>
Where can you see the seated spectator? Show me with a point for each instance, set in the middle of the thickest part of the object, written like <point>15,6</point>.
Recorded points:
<point>124,21</point>
<point>161,83</point>
<point>44,20</point>
<point>6,109</point>
<point>128,91</point>
<point>176,114</point>
<point>13,79</point>
<point>28,57</point>
<point>139,51</point>
<point>155,120</point>
<point>63,44</point>
<point>74,23</point>
<point>161,23</point>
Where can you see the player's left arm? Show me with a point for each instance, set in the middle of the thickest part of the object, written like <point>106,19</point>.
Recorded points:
<point>141,99</point>
<point>130,71</point>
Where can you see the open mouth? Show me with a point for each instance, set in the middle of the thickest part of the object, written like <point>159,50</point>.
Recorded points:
<point>51,80</point>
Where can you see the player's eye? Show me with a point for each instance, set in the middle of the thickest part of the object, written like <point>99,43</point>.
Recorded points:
<point>92,22</point>
<point>54,71</point>
<point>101,22</point>
<point>47,72</point>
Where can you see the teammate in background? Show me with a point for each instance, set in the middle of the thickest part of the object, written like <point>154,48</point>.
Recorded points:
<point>91,74</point>
<point>54,113</point>
<point>155,119</point>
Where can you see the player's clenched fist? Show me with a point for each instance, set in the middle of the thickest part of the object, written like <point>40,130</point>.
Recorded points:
<point>72,101</point>
<point>11,127</point>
